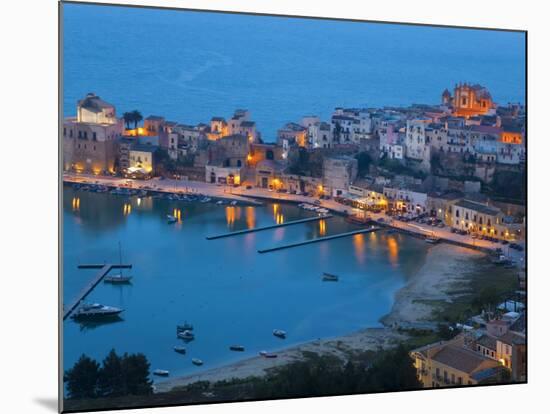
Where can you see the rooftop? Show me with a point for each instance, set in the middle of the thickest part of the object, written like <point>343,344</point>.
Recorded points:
<point>480,208</point>
<point>462,359</point>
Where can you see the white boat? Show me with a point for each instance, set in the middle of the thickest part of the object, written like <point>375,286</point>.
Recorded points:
<point>161,372</point>
<point>266,354</point>
<point>279,333</point>
<point>186,335</point>
<point>197,361</point>
<point>219,202</point>
<point>117,279</point>
<point>233,203</point>
<point>95,311</point>
<point>171,219</point>
<point>180,349</point>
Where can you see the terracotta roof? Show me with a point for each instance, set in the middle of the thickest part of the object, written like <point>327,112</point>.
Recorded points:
<point>488,341</point>
<point>512,338</point>
<point>461,359</point>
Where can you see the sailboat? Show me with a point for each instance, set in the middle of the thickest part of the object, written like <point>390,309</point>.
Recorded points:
<point>118,278</point>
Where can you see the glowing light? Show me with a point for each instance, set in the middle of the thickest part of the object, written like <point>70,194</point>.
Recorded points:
<point>322,227</point>
<point>249,157</point>
<point>250,217</point>
<point>76,203</point>
<point>139,201</point>
<point>393,250</point>
<point>359,247</point>
<point>127,209</point>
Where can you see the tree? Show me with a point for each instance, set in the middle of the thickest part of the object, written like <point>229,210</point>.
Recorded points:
<point>135,371</point>
<point>128,118</point>
<point>111,379</point>
<point>136,117</point>
<point>363,163</point>
<point>82,378</point>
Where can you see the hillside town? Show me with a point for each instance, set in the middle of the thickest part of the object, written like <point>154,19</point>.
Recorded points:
<point>453,170</point>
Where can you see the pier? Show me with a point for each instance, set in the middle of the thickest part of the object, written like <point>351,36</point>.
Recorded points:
<point>273,226</point>
<point>319,239</point>
<point>104,269</point>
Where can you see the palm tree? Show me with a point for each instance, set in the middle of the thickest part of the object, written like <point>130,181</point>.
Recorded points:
<point>136,117</point>
<point>128,117</point>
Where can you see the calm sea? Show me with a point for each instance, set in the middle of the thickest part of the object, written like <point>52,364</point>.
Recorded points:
<point>231,293</point>
<point>190,66</point>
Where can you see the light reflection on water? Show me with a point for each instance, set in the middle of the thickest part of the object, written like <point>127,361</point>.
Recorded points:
<point>226,288</point>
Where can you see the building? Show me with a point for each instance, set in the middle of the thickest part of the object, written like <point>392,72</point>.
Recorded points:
<point>338,173</point>
<point>269,174</point>
<point>226,159</point>
<point>367,196</point>
<point>439,205</point>
<point>406,200</point>
<point>450,363</point>
<point>469,100</point>
<point>319,135</point>
<point>293,134</point>
<point>89,140</point>
<point>484,220</point>
<point>223,175</point>
<point>417,145</point>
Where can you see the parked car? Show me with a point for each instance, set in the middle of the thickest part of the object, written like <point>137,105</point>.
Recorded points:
<point>248,187</point>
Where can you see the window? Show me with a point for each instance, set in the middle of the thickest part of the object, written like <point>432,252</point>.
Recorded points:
<point>79,134</point>
<point>457,215</point>
<point>94,136</point>
<point>459,380</point>
<point>71,133</point>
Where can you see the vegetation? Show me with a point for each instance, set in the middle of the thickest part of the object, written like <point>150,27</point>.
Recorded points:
<point>133,116</point>
<point>117,376</point>
<point>508,186</point>
<point>363,163</point>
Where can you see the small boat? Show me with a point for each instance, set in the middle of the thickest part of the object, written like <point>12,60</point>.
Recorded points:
<point>266,354</point>
<point>233,203</point>
<point>219,202</point>
<point>171,219</point>
<point>238,348</point>
<point>117,279</point>
<point>329,277</point>
<point>180,349</point>
<point>197,361</point>
<point>432,240</point>
<point>279,333</point>
<point>161,372</point>
<point>184,327</point>
<point>186,335</point>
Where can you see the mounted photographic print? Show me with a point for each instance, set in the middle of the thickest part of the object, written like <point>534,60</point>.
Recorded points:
<point>260,207</point>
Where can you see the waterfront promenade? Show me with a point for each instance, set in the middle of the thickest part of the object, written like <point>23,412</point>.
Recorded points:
<point>243,194</point>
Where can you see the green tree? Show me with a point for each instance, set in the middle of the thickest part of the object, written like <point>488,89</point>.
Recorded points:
<point>363,163</point>
<point>82,378</point>
<point>128,118</point>
<point>136,117</point>
<point>135,369</point>
<point>111,378</point>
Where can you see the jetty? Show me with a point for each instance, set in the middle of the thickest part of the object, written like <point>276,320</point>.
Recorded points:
<point>273,226</point>
<point>319,239</point>
<point>104,269</point>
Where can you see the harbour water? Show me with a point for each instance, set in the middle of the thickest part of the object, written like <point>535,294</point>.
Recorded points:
<point>190,66</point>
<point>231,293</point>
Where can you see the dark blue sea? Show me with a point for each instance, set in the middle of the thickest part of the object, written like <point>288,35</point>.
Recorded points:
<point>190,66</point>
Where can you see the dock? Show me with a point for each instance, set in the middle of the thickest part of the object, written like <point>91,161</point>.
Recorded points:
<point>319,239</point>
<point>104,269</point>
<point>273,226</point>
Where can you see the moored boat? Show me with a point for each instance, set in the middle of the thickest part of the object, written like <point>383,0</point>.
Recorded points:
<point>180,349</point>
<point>197,361</point>
<point>432,240</point>
<point>329,277</point>
<point>279,333</point>
<point>171,219</point>
<point>186,335</point>
<point>95,311</point>
<point>266,354</point>
<point>117,279</point>
<point>238,348</point>
<point>161,372</point>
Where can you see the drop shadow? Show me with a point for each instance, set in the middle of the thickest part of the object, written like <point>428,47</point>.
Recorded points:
<point>49,403</point>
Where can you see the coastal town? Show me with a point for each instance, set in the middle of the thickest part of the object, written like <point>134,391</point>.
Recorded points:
<point>451,172</point>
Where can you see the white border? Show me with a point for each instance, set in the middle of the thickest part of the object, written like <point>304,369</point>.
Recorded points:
<point>29,205</point>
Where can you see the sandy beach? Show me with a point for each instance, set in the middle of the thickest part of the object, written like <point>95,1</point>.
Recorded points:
<point>444,266</point>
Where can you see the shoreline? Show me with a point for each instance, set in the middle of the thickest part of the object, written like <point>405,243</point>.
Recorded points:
<point>430,282</point>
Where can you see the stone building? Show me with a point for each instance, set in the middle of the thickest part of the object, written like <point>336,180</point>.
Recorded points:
<point>89,140</point>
